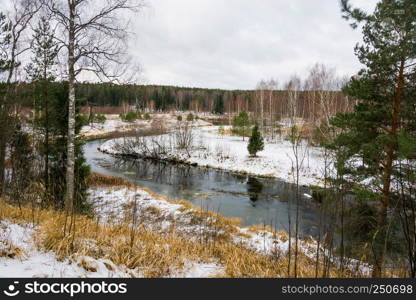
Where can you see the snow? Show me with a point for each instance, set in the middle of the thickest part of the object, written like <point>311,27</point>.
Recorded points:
<point>20,255</point>
<point>115,124</point>
<point>31,262</point>
<point>112,203</point>
<point>111,126</point>
<point>307,196</point>
<point>21,258</point>
<point>262,241</point>
<point>172,214</point>
<point>199,270</point>
<point>230,153</point>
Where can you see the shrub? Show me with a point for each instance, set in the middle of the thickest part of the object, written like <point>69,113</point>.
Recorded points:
<point>179,118</point>
<point>147,116</point>
<point>129,117</point>
<point>99,118</point>
<point>190,117</point>
<point>83,120</point>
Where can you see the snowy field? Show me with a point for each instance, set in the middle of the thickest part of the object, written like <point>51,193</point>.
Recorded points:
<point>230,153</point>
<point>113,124</point>
<point>22,258</point>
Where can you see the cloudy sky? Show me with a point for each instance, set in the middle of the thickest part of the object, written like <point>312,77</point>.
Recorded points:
<point>232,44</point>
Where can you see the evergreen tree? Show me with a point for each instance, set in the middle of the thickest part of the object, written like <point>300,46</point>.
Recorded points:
<point>219,105</point>
<point>241,124</point>
<point>255,143</point>
<point>58,155</point>
<point>368,143</point>
<point>42,73</point>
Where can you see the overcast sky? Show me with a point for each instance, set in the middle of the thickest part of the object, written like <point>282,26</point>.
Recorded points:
<point>233,44</point>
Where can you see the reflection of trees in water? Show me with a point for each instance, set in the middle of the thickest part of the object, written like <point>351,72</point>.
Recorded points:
<point>266,194</point>
<point>254,189</point>
<point>184,176</point>
<point>159,172</point>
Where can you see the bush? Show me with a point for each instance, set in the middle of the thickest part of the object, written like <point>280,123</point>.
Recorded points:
<point>179,118</point>
<point>83,120</point>
<point>147,116</point>
<point>129,117</point>
<point>190,117</point>
<point>99,118</point>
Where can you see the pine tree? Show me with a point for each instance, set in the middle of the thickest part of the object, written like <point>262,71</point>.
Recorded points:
<point>219,105</point>
<point>241,124</point>
<point>368,142</point>
<point>58,155</point>
<point>42,73</point>
<point>255,143</point>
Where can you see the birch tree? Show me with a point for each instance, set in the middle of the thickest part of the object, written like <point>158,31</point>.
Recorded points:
<point>93,38</point>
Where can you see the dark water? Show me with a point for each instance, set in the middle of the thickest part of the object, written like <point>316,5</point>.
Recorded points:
<point>254,200</point>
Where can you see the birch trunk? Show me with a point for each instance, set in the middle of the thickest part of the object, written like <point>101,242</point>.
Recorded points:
<point>70,165</point>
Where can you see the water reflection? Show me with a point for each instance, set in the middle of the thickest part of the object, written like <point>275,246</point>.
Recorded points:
<point>254,189</point>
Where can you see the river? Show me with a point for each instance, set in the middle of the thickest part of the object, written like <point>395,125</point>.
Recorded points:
<point>256,201</point>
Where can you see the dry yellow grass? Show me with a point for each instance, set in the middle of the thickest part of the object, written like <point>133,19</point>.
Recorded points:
<point>156,254</point>
<point>152,253</point>
<point>96,179</point>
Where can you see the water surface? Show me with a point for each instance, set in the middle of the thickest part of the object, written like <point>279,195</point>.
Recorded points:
<point>256,201</point>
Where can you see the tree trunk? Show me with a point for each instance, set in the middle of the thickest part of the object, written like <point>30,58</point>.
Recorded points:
<point>2,163</point>
<point>388,171</point>
<point>70,165</point>
<point>46,141</point>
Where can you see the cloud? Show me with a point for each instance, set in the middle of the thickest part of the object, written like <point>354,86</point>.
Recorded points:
<point>233,44</point>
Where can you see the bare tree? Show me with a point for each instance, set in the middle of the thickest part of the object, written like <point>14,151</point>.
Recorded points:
<point>323,82</point>
<point>293,88</point>
<point>12,45</point>
<point>93,36</point>
<point>261,88</point>
<point>299,152</point>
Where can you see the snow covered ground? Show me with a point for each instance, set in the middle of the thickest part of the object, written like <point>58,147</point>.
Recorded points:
<point>20,257</point>
<point>163,215</point>
<point>211,149</point>
<point>114,124</point>
<point>110,126</point>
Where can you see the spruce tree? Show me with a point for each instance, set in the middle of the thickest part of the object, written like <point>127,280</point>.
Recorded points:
<point>256,143</point>
<point>368,140</point>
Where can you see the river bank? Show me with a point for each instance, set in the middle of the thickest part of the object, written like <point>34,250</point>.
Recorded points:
<point>136,233</point>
